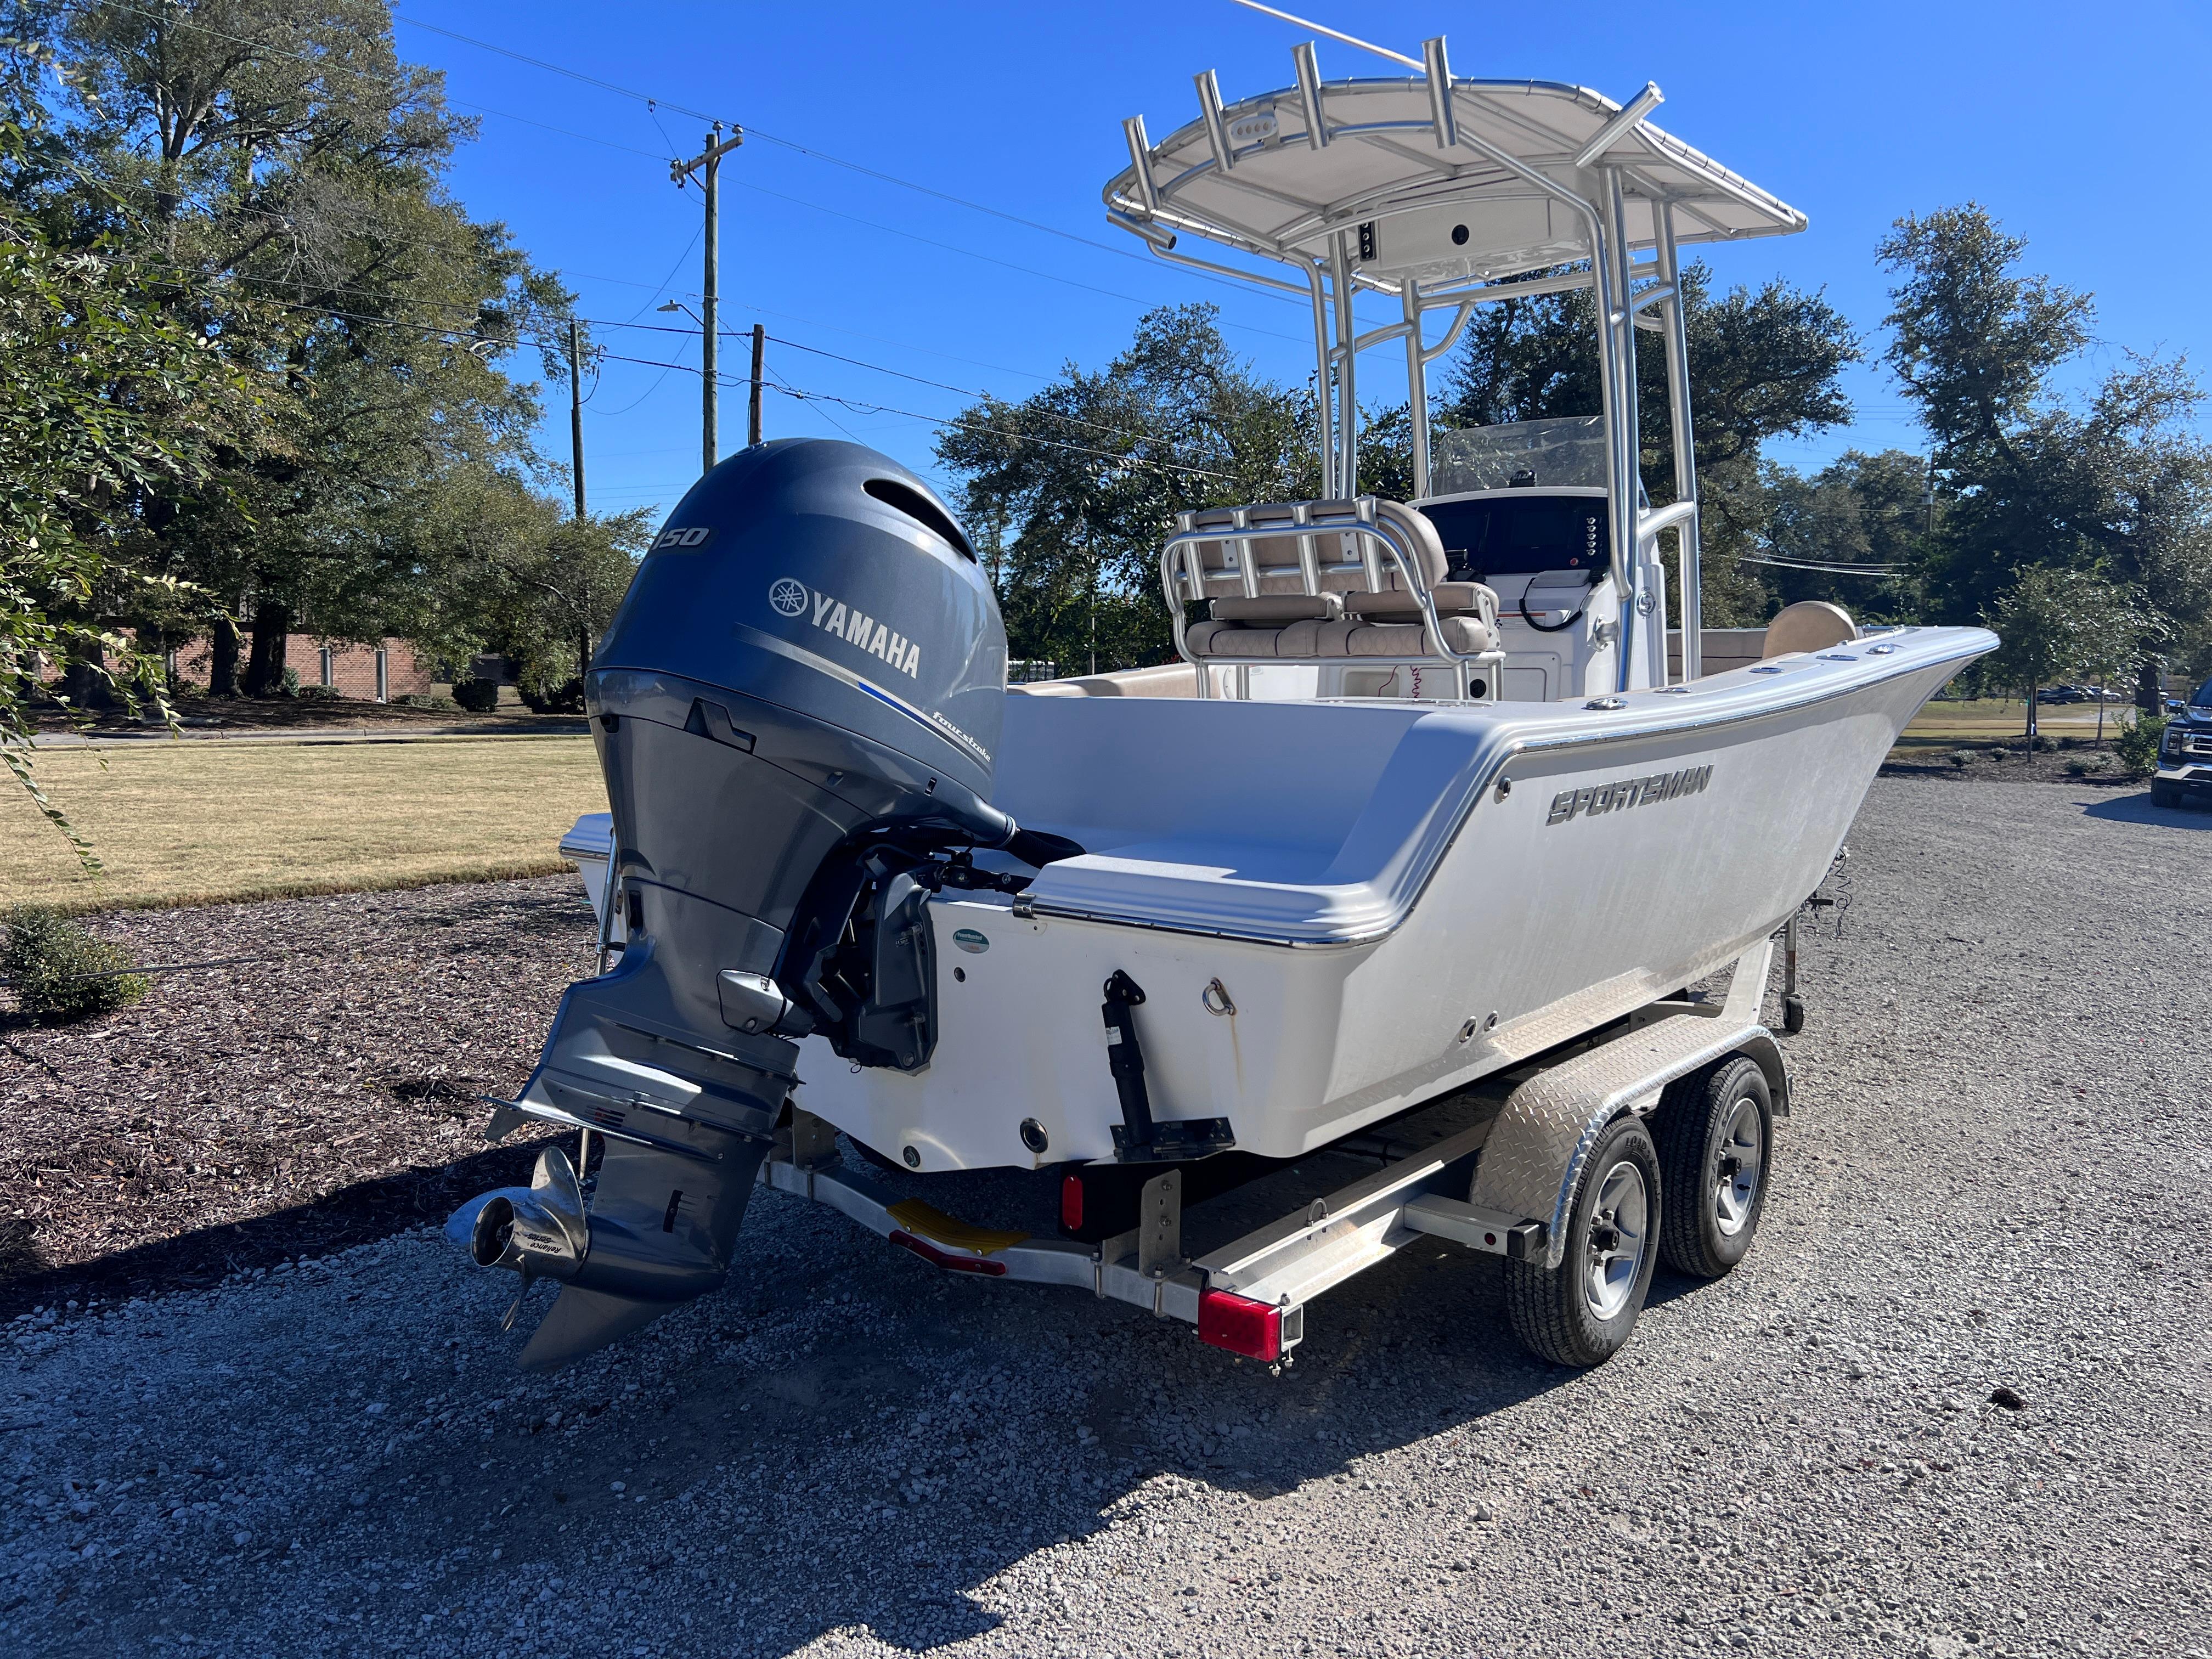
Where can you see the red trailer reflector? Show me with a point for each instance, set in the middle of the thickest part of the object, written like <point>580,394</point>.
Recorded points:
<point>1239,1325</point>
<point>946,1259</point>
<point>1071,1201</point>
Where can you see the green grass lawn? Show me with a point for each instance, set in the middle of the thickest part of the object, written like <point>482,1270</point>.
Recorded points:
<point>1991,719</point>
<point>206,821</point>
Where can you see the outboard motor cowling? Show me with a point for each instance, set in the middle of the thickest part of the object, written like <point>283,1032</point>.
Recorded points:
<point>796,709</point>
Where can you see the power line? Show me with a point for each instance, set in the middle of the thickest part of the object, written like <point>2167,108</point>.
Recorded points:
<point>653,101</point>
<point>966,392</point>
<point>657,380</point>
<point>1825,569</point>
<point>857,405</point>
<point>902,345</point>
<point>370,228</point>
<point>989,259</point>
<point>523,335</point>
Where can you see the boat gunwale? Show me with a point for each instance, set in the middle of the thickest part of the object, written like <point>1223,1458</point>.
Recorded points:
<point>1969,646</point>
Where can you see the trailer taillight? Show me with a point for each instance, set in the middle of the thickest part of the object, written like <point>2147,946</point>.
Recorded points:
<point>1239,1325</point>
<point>1071,1202</point>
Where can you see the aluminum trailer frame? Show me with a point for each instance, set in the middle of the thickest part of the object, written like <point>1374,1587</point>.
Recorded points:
<point>1503,1187</point>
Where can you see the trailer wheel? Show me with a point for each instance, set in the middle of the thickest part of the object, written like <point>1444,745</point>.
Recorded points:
<point>1716,1149</point>
<point>1581,1312</point>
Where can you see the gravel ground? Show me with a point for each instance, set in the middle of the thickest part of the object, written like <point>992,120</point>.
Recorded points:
<point>1996,1184</point>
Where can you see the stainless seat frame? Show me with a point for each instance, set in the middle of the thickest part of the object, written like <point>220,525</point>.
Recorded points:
<point>1183,577</point>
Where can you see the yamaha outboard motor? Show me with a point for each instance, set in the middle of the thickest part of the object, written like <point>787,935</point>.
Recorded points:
<point>796,708</point>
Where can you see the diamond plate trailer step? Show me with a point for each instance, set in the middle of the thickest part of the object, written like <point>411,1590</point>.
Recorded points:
<point>1501,1186</point>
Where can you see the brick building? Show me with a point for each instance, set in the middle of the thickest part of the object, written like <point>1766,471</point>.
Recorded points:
<point>373,673</point>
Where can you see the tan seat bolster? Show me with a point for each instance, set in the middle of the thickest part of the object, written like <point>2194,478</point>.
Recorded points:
<point>1452,600</point>
<point>1345,637</point>
<point>1278,608</point>
<point>1198,638</point>
<point>1334,639</point>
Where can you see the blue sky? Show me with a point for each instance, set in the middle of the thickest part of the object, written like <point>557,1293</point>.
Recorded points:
<point>2080,127</point>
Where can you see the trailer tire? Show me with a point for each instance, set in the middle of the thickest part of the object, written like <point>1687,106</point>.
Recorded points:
<point>1582,1312</point>
<point>1716,1133</point>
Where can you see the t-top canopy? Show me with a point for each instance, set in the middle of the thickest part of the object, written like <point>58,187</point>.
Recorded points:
<point>1481,184</point>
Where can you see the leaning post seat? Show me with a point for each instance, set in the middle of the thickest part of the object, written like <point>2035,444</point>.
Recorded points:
<point>1324,584</point>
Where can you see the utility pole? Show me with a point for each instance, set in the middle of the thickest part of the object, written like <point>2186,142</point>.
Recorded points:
<point>576,414</point>
<point>709,165</point>
<point>760,352</point>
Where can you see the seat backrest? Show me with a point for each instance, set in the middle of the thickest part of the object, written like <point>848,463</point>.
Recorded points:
<point>1809,625</point>
<point>1428,549</point>
<point>1340,561</point>
<point>1274,558</point>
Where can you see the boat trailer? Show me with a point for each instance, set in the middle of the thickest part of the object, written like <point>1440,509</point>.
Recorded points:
<point>1520,1183</point>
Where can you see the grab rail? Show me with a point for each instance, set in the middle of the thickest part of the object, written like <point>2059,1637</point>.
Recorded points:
<point>1181,568</point>
<point>1649,526</point>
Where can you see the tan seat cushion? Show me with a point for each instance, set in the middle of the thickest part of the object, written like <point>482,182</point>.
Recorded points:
<point>1223,638</point>
<point>1362,639</point>
<point>1453,599</point>
<point>1278,608</point>
<point>1348,638</point>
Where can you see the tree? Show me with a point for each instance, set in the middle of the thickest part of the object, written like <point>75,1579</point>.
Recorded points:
<point>525,581</point>
<point>1971,343</point>
<point>107,402</point>
<point>1861,509</point>
<point>2114,624</point>
<point>2119,483</point>
<point>1765,363</point>
<point>287,167</point>
<point>1086,478</point>
<point>2054,621</point>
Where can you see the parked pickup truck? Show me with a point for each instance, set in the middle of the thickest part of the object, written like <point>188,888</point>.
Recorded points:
<point>2184,758</point>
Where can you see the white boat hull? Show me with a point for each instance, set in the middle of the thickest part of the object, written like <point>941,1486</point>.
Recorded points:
<point>1530,928</point>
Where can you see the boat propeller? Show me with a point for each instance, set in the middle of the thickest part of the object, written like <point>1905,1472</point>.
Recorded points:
<point>540,1231</point>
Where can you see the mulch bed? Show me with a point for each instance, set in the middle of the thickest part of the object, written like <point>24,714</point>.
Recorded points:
<point>2019,765</point>
<point>320,1094</point>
